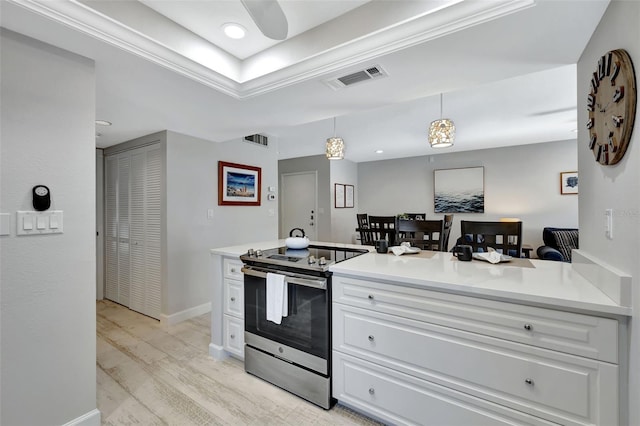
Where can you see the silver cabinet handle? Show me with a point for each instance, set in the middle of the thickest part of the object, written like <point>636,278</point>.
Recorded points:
<point>233,270</point>
<point>371,338</point>
<point>233,336</point>
<point>529,382</point>
<point>233,299</point>
<point>372,391</point>
<point>370,297</point>
<point>528,327</point>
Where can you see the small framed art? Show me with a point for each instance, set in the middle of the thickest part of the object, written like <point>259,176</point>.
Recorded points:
<point>568,183</point>
<point>238,184</point>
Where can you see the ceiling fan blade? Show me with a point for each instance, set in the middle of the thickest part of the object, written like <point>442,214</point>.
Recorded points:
<point>269,17</point>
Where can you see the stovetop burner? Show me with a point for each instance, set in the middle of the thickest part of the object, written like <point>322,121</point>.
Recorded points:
<point>314,257</point>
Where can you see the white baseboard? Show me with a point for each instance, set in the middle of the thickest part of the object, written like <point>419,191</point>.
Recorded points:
<point>173,319</point>
<point>611,281</point>
<point>92,418</point>
<point>217,352</point>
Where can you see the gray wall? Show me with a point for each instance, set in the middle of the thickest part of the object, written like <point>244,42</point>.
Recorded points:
<point>320,164</point>
<point>613,187</point>
<point>48,313</point>
<point>343,221</point>
<point>521,181</point>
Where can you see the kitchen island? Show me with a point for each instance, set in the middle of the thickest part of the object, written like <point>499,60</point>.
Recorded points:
<point>428,339</point>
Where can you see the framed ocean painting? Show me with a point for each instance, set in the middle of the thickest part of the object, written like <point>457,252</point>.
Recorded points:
<point>238,185</point>
<point>459,190</point>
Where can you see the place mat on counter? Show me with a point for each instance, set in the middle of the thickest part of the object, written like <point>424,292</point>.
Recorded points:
<point>424,254</point>
<point>519,262</point>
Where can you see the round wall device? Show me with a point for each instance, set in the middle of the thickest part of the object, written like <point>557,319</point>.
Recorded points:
<point>41,198</point>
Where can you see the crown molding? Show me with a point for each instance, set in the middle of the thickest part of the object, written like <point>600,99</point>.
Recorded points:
<point>457,15</point>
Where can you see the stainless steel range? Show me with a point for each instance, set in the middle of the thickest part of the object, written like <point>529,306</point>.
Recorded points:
<point>296,353</point>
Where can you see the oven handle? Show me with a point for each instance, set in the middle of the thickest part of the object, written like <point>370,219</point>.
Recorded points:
<point>289,277</point>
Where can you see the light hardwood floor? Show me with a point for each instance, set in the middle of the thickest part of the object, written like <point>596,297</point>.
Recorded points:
<point>150,375</point>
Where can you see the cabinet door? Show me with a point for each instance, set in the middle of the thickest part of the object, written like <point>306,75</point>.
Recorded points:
<point>233,330</point>
<point>234,298</point>
<point>111,228</point>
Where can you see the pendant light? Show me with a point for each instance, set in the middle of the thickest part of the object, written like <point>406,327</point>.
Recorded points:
<point>442,131</point>
<point>335,145</point>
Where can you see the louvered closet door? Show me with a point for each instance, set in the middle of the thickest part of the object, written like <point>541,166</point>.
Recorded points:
<point>145,231</point>
<point>111,228</point>
<point>153,288</point>
<point>133,229</point>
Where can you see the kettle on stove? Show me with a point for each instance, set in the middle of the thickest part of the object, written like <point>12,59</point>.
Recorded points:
<point>299,242</point>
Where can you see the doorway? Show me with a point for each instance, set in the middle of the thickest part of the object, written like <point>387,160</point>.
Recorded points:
<point>299,203</point>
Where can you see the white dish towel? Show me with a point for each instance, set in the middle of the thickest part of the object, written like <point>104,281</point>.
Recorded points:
<point>277,298</point>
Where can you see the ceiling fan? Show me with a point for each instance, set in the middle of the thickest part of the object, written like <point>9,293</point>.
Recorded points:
<point>269,17</point>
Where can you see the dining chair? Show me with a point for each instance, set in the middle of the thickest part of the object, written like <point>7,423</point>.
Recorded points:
<point>383,228</point>
<point>504,237</point>
<point>366,235</point>
<point>424,234</point>
<point>446,231</point>
<point>415,216</point>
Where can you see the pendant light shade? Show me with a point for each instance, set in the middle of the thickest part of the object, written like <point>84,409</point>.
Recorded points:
<point>442,132</point>
<point>335,145</point>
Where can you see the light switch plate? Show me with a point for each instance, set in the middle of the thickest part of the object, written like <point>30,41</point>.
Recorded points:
<point>5,223</point>
<point>39,223</point>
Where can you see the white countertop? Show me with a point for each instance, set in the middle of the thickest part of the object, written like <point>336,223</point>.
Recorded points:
<point>236,251</point>
<point>547,283</point>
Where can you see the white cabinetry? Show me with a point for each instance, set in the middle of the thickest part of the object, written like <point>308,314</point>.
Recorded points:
<point>414,356</point>
<point>133,231</point>
<point>233,314</point>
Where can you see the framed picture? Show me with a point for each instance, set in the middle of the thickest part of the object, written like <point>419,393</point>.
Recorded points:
<point>348,196</point>
<point>459,190</point>
<point>568,183</point>
<point>338,194</point>
<point>239,185</point>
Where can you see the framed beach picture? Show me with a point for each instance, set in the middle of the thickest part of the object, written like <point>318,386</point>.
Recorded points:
<point>238,185</point>
<point>568,183</point>
<point>459,190</point>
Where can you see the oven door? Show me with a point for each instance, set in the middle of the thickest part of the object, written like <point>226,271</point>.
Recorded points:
<point>305,329</point>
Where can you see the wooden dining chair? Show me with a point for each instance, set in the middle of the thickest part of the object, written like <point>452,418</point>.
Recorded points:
<point>415,216</point>
<point>424,234</point>
<point>447,224</point>
<point>383,228</point>
<point>366,234</point>
<point>504,237</point>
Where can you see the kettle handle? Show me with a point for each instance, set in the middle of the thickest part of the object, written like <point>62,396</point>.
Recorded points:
<point>296,229</point>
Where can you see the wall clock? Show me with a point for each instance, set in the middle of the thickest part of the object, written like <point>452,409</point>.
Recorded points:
<point>611,103</point>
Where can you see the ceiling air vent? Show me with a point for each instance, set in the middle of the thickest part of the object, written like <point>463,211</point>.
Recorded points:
<point>371,73</point>
<point>257,139</point>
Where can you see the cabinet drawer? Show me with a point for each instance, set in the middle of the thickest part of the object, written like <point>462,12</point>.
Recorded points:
<point>552,385</point>
<point>233,331</point>
<point>234,298</point>
<point>402,399</point>
<point>578,334</point>
<point>233,269</point>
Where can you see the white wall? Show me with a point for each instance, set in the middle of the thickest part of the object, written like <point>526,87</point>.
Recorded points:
<point>343,221</point>
<point>192,190</point>
<point>319,164</point>
<point>48,318</point>
<point>614,187</point>
<point>521,181</point>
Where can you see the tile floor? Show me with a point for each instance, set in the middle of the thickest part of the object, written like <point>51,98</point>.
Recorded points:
<point>150,375</point>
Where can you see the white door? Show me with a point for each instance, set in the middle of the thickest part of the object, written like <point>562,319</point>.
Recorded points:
<point>298,203</point>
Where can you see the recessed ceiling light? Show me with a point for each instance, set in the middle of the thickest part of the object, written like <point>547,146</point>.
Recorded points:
<point>379,151</point>
<point>233,30</point>
<point>103,123</point>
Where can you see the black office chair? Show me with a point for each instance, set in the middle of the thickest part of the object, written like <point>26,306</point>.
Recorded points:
<point>503,237</point>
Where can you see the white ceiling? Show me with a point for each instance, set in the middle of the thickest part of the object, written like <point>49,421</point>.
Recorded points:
<point>506,68</point>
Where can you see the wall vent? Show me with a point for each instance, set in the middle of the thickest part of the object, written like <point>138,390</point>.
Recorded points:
<point>370,73</point>
<point>257,139</point>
